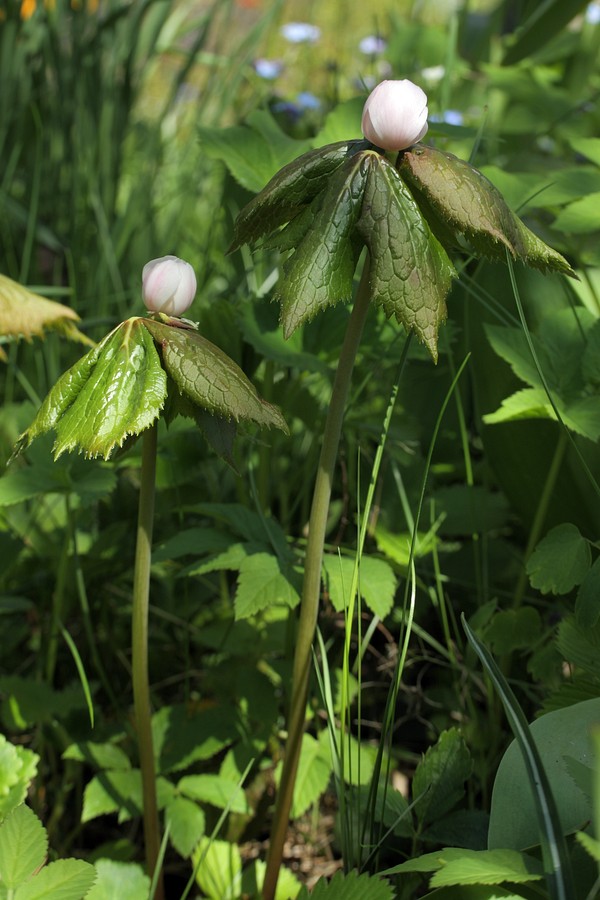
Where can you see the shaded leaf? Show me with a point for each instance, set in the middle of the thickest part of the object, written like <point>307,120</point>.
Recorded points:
<point>560,561</point>
<point>253,878</point>
<point>587,604</point>
<point>579,645</point>
<point>183,735</point>
<point>186,823</point>
<point>377,582</point>
<point>473,207</point>
<point>314,771</point>
<point>439,779</point>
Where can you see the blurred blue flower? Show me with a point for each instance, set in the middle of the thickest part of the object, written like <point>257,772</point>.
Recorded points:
<point>372,45</point>
<point>592,13</point>
<point>301,32</point>
<point>449,116</point>
<point>268,68</point>
<point>306,100</point>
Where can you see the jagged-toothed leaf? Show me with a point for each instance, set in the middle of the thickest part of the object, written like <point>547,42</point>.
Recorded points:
<point>319,272</point>
<point>293,187</point>
<point>64,879</point>
<point>115,390</point>
<point>410,270</point>
<point>351,887</point>
<point>209,378</point>
<point>23,846</point>
<point>471,206</point>
<point>27,315</point>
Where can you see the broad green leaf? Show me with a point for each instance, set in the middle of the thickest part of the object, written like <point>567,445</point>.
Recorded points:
<point>560,561</point>
<point>23,846</point>
<point>580,217</point>
<point>65,879</point>
<point>377,582</point>
<point>124,880</point>
<point>530,403</point>
<point>214,789</point>
<point>183,735</point>
<point>559,736</point>
<point>314,772</point>
<point>587,604</point>
<point>291,189</point>
<point>191,542</point>
<point>588,147</point>
<point>349,887</point>
<point>219,874</point>
<point>468,204</point>
<point>27,315</point>
<point>410,273</point>
<point>208,377</point>
<point>579,645</point>
<point>439,779</point>
<point>253,152</point>
<point>27,702</point>
<point>542,25</point>
<point>115,390</point>
<point>120,791</point>
<point>453,866</point>
<point>18,767</point>
<point>100,756</point>
<point>396,546</point>
<point>186,823</point>
<point>557,868</point>
<point>261,584</point>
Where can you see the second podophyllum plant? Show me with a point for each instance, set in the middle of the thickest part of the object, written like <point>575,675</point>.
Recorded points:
<point>410,207</point>
<point>149,367</point>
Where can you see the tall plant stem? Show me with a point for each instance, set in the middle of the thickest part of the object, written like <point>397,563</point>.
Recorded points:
<point>311,588</point>
<point>139,647</point>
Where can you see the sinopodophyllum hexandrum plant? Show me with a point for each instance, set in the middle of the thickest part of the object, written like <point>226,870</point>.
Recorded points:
<point>145,368</point>
<point>409,206</point>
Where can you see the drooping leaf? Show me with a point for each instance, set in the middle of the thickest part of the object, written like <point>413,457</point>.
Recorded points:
<point>439,779</point>
<point>560,561</point>
<point>23,846</point>
<point>471,206</point>
<point>27,315</point>
<point>115,390</point>
<point>208,377</point>
<point>410,273</point>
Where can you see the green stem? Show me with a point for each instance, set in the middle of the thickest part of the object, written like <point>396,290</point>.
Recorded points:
<point>540,513</point>
<point>139,646</point>
<point>311,589</point>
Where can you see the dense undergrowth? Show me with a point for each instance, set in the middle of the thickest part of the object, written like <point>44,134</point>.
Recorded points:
<point>133,130</point>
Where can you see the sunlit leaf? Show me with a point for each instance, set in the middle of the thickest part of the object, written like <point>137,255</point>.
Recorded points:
<point>23,846</point>
<point>64,879</point>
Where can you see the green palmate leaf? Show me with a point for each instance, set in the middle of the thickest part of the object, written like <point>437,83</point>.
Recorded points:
<point>469,205</point>
<point>23,846</point>
<point>65,879</point>
<point>439,780</point>
<point>560,561</point>
<point>27,315</point>
<point>410,272</point>
<point>208,377</point>
<point>115,390</point>
<point>294,187</point>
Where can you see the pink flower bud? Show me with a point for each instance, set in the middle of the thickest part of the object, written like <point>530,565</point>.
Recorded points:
<point>395,115</point>
<point>168,285</point>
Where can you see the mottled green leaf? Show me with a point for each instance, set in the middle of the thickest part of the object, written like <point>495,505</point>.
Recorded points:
<point>207,377</point>
<point>115,390</point>
<point>560,561</point>
<point>410,272</point>
<point>292,188</point>
<point>474,208</point>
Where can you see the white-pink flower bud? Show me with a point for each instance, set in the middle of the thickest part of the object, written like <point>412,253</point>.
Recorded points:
<point>168,285</point>
<point>395,115</point>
